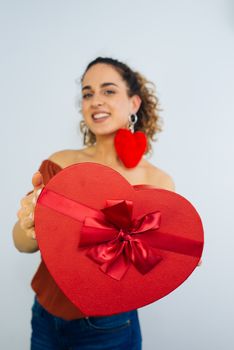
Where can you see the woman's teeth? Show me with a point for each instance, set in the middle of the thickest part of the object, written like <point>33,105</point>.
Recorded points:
<point>100,116</point>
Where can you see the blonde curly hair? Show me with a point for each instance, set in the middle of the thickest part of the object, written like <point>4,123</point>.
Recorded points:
<point>148,120</point>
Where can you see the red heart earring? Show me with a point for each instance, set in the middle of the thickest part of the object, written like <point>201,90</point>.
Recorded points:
<point>130,146</point>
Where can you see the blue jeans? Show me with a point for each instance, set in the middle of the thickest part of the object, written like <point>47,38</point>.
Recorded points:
<point>117,332</point>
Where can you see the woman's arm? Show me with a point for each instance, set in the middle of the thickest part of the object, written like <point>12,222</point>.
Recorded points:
<point>23,231</point>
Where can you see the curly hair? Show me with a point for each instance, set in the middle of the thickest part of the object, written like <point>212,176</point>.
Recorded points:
<point>148,120</point>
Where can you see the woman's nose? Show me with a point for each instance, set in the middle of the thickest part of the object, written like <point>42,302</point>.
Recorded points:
<point>97,104</point>
<point>97,101</point>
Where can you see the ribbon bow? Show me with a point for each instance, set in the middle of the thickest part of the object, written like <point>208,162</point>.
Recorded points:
<point>117,241</point>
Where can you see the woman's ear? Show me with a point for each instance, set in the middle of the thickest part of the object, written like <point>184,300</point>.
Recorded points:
<point>136,103</point>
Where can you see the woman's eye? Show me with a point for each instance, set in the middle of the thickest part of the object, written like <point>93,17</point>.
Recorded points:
<point>87,95</point>
<point>106,92</point>
<point>109,92</point>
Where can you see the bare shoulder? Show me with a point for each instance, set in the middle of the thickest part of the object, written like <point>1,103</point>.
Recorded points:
<point>159,178</point>
<point>67,157</point>
<point>152,175</point>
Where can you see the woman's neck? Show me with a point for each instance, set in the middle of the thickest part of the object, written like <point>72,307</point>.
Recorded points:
<point>104,150</point>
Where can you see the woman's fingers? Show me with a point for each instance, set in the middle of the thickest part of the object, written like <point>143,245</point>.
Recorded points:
<point>27,222</point>
<point>38,184</point>
<point>31,233</point>
<point>26,211</point>
<point>37,180</point>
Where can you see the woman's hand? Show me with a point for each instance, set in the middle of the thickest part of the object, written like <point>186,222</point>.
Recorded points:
<point>26,212</point>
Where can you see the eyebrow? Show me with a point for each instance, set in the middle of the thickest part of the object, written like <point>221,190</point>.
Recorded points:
<point>102,85</point>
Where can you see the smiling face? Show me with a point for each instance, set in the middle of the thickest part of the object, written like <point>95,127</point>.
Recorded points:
<point>106,105</point>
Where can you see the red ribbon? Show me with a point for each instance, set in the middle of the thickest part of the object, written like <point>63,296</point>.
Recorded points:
<point>118,239</point>
<point>115,239</point>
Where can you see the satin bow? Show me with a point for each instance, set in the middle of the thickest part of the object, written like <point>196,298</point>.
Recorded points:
<point>116,240</point>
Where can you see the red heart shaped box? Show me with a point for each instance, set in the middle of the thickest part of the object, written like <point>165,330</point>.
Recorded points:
<point>94,292</point>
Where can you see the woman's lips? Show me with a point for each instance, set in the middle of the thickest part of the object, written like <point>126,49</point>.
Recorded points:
<point>99,117</point>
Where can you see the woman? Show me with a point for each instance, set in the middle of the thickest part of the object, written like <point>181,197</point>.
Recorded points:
<point>111,94</point>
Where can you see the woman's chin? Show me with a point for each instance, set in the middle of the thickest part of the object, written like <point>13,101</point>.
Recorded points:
<point>106,132</point>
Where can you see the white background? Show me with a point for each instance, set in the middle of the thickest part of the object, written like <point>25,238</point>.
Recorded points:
<point>186,48</point>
